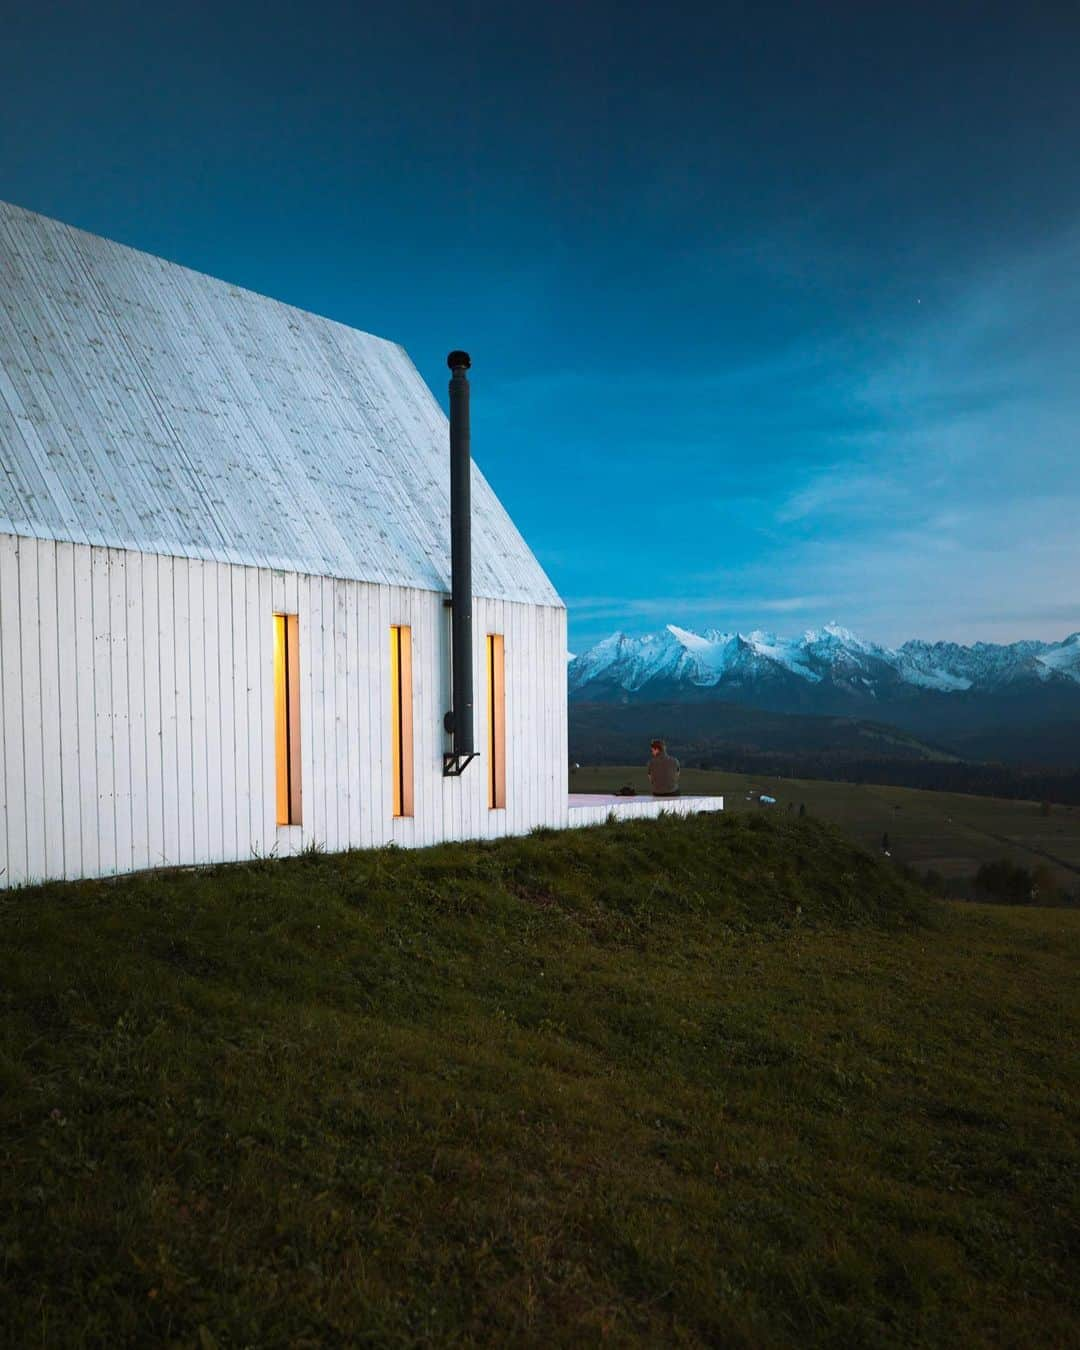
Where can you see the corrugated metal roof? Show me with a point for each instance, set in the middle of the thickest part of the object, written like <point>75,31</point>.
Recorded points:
<point>146,406</point>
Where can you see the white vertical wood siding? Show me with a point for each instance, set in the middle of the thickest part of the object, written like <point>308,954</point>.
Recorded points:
<point>136,693</point>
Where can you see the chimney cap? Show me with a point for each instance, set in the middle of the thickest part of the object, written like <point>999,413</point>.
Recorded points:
<point>458,361</point>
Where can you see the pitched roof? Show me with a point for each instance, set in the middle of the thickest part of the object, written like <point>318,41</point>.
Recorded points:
<point>150,407</point>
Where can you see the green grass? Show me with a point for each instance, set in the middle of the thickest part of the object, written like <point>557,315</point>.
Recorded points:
<point>715,1081</point>
<point>951,833</point>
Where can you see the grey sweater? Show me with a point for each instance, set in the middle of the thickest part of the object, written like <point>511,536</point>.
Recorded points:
<point>663,773</point>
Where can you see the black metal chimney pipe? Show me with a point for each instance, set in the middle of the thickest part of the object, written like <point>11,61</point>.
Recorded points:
<point>459,721</point>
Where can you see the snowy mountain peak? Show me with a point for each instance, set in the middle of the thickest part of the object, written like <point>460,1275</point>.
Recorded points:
<point>835,631</point>
<point>678,660</point>
<point>685,636</point>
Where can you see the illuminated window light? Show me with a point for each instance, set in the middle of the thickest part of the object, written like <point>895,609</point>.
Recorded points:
<point>287,717</point>
<point>401,719</point>
<point>496,700</point>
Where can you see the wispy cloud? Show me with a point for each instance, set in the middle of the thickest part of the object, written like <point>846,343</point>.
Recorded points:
<point>838,491</point>
<point>714,610</point>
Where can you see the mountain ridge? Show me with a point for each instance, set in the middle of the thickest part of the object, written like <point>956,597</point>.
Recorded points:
<point>832,660</point>
<point>1017,702</point>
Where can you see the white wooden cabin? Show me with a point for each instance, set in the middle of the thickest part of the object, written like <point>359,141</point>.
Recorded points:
<point>224,576</point>
<point>224,562</point>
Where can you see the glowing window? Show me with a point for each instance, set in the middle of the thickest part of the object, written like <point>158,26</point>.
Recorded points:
<point>496,701</point>
<point>401,720</point>
<point>287,717</point>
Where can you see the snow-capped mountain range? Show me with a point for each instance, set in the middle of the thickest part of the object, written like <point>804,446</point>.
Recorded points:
<point>827,667</point>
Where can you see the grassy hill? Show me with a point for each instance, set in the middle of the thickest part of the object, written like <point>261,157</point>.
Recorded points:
<point>723,1080</point>
<point>951,833</point>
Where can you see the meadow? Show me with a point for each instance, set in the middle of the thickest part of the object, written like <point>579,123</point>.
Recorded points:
<point>722,1080</point>
<point>950,833</point>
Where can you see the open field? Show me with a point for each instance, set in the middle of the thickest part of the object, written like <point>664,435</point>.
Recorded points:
<point>950,832</point>
<point>715,1081</point>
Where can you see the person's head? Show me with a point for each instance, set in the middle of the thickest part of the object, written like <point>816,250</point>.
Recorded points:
<point>658,747</point>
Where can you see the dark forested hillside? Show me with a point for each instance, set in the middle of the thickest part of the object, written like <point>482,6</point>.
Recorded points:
<point>748,740</point>
<point>610,733</point>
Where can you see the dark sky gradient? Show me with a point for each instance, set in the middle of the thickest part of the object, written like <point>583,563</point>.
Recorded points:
<point>774,309</point>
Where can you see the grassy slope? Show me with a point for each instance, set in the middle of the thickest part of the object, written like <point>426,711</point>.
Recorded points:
<point>721,1080</point>
<point>951,832</point>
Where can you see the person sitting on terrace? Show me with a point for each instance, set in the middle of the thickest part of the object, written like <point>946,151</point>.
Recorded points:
<point>663,771</point>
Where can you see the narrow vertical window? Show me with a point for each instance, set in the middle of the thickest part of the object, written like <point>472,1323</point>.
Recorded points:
<point>496,722</point>
<point>401,726</point>
<point>287,717</point>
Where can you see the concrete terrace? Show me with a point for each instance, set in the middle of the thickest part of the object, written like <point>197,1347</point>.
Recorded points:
<point>594,808</point>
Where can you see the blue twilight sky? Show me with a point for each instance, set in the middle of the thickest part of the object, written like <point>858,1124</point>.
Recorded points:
<point>774,308</point>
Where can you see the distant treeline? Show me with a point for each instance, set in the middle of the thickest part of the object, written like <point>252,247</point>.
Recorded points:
<point>749,740</point>
<point>1002,882</point>
<point>934,775</point>
<point>985,780</point>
